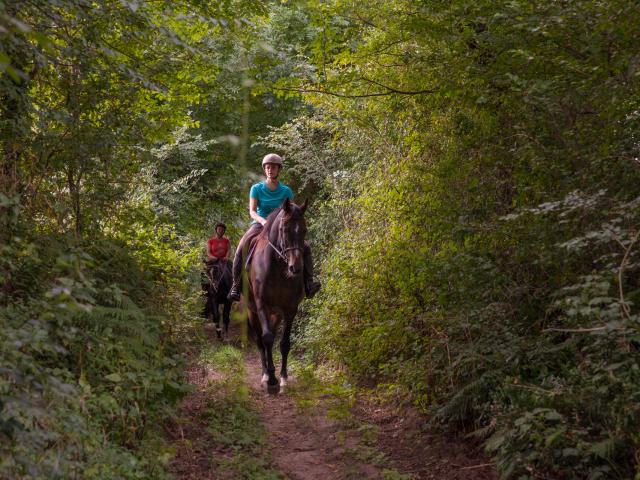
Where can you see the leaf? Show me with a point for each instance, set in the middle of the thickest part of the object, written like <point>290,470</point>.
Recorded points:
<point>114,377</point>
<point>570,452</point>
<point>550,440</point>
<point>603,449</point>
<point>553,415</point>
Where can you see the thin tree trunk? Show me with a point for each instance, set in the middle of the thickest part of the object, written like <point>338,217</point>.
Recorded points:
<point>74,192</point>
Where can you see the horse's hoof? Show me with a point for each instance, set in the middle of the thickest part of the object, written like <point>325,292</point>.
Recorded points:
<point>265,378</point>
<point>273,389</point>
<point>283,382</point>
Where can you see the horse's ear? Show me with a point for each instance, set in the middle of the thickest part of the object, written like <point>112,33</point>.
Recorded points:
<point>303,207</point>
<point>286,206</point>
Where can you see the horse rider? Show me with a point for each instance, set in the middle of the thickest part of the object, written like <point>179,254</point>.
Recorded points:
<point>218,245</point>
<point>264,198</point>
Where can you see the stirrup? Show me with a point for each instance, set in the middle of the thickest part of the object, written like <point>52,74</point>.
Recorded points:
<point>311,288</point>
<point>234,293</point>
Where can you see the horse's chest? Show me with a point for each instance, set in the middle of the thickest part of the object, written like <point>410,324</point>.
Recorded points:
<point>281,290</point>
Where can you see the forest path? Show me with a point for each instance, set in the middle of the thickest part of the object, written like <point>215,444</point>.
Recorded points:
<point>230,428</point>
<point>305,443</point>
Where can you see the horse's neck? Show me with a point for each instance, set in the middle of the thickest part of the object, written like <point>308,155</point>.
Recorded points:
<point>274,232</point>
<point>273,251</point>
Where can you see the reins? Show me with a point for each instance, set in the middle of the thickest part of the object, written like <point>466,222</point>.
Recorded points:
<point>275,249</point>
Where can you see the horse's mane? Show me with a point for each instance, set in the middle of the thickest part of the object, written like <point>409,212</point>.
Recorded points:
<point>271,219</point>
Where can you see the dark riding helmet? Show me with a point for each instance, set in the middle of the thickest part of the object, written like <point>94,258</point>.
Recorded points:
<point>220,224</point>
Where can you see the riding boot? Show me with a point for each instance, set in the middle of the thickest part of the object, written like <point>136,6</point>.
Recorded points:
<point>310,287</point>
<point>236,286</point>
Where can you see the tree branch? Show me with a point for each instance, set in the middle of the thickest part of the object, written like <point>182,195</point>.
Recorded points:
<point>390,91</point>
<point>574,330</point>
<point>395,90</point>
<point>625,260</point>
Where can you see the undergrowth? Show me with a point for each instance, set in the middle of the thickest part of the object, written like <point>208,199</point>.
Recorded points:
<point>480,243</point>
<point>87,361</point>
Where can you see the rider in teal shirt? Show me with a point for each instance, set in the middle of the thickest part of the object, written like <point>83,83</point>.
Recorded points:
<point>264,198</point>
<point>269,200</point>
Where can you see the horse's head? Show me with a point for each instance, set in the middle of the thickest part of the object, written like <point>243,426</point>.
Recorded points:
<point>292,232</point>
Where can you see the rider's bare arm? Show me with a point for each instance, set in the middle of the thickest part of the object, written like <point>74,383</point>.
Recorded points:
<point>253,211</point>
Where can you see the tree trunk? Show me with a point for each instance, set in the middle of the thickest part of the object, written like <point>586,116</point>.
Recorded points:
<point>74,193</point>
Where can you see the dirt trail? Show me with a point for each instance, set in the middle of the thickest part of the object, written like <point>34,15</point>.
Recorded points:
<point>193,442</point>
<point>305,444</point>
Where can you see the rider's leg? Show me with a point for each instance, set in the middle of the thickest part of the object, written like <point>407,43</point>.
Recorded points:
<point>310,287</point>
<point>236,286</point>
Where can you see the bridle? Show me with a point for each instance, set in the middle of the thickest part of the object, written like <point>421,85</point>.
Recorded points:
<point>215,285</point>
<point>283,248</point>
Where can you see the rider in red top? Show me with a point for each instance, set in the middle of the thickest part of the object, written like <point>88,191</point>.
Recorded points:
<point>218,245</point>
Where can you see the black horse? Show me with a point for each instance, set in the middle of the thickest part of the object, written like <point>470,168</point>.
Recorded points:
<point>217,284</point>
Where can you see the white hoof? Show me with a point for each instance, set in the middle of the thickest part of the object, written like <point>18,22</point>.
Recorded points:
<point>265,378</point>
<point>283,382</point>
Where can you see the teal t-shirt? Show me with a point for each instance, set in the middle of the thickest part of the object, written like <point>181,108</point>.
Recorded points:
<point>269,200</point>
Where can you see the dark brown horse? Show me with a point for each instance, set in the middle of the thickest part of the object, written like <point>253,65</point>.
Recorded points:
<point>275,286</point>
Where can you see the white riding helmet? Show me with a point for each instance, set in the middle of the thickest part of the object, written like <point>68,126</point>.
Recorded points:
<point>272,158</point>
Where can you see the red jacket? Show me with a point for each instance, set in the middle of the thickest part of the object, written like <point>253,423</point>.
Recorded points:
<point>219,247</point>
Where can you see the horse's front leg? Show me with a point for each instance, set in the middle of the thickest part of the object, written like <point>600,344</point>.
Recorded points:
<point>226,317</point>
<point>263,360</point>
<point>267,343</point>
<point>215,307</point>
<point>285,346</point>
<point>252,324</point>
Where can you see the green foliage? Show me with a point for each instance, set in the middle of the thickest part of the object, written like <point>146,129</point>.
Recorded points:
<point>487,260</point>
<point>394,475</point>
<point>473,170</point>
<point>87,365</point>
<point>124,130</point>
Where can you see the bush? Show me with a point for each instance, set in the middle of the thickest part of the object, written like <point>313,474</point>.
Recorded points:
<point>87,366</point>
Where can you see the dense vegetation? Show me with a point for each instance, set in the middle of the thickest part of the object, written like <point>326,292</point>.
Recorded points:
<point>107,191</point>
<point>473,169</point>
<point>483,220</point>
